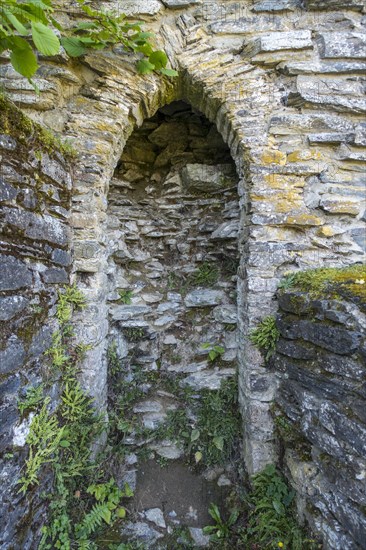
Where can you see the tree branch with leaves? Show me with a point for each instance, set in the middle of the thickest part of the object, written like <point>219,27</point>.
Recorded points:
<point>30,28</point>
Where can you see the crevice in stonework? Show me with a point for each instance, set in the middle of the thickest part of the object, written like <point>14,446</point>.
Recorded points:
<point>173,217</point>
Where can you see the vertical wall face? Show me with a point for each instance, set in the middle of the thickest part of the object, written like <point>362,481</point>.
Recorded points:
<point>320,410</point>
<point>35,200</point>
<point>173,219</point>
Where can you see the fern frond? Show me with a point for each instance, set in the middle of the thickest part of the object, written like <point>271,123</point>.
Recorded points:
<point>98,514</point>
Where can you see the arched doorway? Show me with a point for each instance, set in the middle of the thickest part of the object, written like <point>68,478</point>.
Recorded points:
<point>172,226</point>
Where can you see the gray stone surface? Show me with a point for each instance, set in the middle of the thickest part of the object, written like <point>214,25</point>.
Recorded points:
<point>226,314</point>
<point>141,532</point>
<point>11,306</point>
<point>203,298</point>
<point>199,538</point>
<point>296,40</point>
<point>210,380</point>
<point>35,198</point>
<point>14,274</point>
<point>12,357</point>
<point>316,394</point>
<point>289,168</point>
<point>177,4</point>
<point>7,191</point>
<point>207,178</point>
<point>155,515</point>
<point>344,96</point>
<point>344,45</point>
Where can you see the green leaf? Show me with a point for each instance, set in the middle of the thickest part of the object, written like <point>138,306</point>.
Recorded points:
<point>195,435</point>
<point>64,443</point>
<point>144,66</point>
<point>24,61</point>
<point>159,59</point>
<point>279,507</point>
<point>84,25</point>
<point>16,23</point>
<point>169,72</point>
<point>218,441</point>
<point>198,456</point>
<point>73,46</point>
<point>121,512</point>
<point>45,39</point>
<point>212,355</point>
<point>215,513</point>
<point>146,49</point>
<point>106,515</point>
<point>127,490</point>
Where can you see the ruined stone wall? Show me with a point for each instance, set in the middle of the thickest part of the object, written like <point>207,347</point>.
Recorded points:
<point>35,185</point>
<point>283,83</point>
<point>320,412</point>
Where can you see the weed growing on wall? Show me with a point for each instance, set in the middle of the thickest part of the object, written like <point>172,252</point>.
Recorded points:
<point>60,440</point>
<point>32,399</point>
<point>207,274</point>
<point>214,351</point>
<point>265,336</point>
<point>125,296</point>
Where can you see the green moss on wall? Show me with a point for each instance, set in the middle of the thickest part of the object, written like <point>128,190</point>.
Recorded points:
<point>330,282</point>
<point>16,124</point>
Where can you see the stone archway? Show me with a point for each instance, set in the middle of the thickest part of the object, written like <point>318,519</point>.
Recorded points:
<point>121,108</point>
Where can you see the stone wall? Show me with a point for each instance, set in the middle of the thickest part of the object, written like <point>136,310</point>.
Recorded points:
<point>283,83</point>
<point>320,413</point>
<point>35,185</point>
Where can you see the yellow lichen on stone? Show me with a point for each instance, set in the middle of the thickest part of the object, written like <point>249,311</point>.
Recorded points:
<point>279,181</point>
<point>304,220</point>
<point>286,202</point>
<point>304,154</point>
<point>339,205</point>
<point>273,156</point>
<point>326,231</point>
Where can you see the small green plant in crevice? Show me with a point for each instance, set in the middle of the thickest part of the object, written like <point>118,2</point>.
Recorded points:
<point>287,282</point>
<point>207,274</point>
<point>263,518</point>
<point>107,508</point>
<point>271,520</point>
<point>33,398</point>
<point>125,296</point>
<point>215,351</point>
<point>44,440</point>
<point>221,531</point>
<point>265,336</point>
<point>134,334</point>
